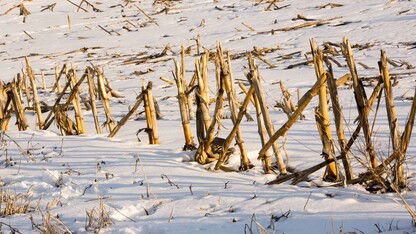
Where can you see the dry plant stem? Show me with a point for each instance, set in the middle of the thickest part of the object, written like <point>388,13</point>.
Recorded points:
<point>299,176</point>
<point>307,24</point>
<point>210,132</point>
<point>27,88</point>
<point>204,76</point>
<point>270,5</point>
<point>245,90</point>
<point>264,60</point>
<point>233,132</point>
<point>69,23</point>
<point>303,25</point>
<point>49,119</point>
<point>266,116</point>
<point>189,141</point>
<point>405,139</point>
<point>202,90</point>
<point>361,100</point>
<point>331,172</point>
<point>203,118</point>
<point>301,117</point>
<point>43,80</point>
<point>76,102</point>
<point>4,123</point>
<point>74,99</point>
<point>105,100</point>
<point>150,18</point>
<point>304,101</point>
<point>226,75</point>
<point>239,137</point>
<point>263,136</point>
<point>148,114</point>
<point>19,108</point>
<point>198,44</point>
<point>154,131</point>
<point>400,181</point>
<point>3,108</point>
<point>287,95</point>
<point>247,115</point>
<point>189,102</point>
<point>30,36</point>
<point>20,84</point>
<point>91,90</point>
<point>220,85</point>
<point>406,205</point>
<point>343,79</point>
<point>35,93</point>
<point>204,150</point>
<point>336,107</point>
<point>78,6</point>
<point>248,26</point>
<point>58,76</point>
<point>127,116</point>
<point>407,133</point>
<point>167,80</point>
<point>57,84</point>
<point>327,143</point>
<point>217,72</point>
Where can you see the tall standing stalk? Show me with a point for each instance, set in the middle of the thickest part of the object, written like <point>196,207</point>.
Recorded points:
<point>226,76</point>
<point>254,78</point>
<point>186,125</point>
<point>399,178</point>
<point>303,103</point>
<point>105,100</point>
<point>331,172</point>
<point>79,118</point>
<point>336,107</point>
<point>35,93</point>
<point>361,100</point>
<point>18,107</point>
<point>92,92</point>
<point>150,114</point>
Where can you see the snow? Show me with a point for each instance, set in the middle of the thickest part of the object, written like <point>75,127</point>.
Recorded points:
<point>161,189</point>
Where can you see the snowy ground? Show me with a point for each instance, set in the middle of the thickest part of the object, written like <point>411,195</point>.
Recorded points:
<point>132,178</point>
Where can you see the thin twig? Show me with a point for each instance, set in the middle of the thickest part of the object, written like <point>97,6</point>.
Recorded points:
<point>150,18</point>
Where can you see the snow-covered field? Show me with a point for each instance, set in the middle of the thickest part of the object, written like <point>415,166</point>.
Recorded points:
<point>161,189</point>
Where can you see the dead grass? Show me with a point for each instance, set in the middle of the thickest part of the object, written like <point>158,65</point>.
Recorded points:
<point>50,224</point>
<point>97,218</point>
<point>12,203</point>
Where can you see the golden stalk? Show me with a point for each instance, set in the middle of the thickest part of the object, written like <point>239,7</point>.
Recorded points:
<point>400,180</point>
<point>189,141</point>
<point>253,77</point>
<point>303,103</point>
<point>35,93</point>
<point>19,108</point>
<point>127,116</point>
<point>336,107</point>
<point>69,23</point>
<point>233,132</point>
<point>263,135</point>
<point>152,113</point>
<point>326,136</point>
<point>91,89</point>
<point>228,81</point>
<point>105,100</point>
<point>361,100</point>
<point>79,118</point>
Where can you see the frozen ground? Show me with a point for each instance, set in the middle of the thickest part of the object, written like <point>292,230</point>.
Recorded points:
<point>132,178</point>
